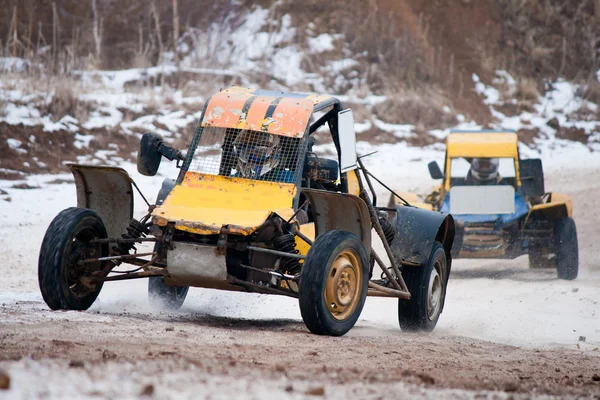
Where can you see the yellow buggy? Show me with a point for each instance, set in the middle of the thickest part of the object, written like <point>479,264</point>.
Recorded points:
<point>253,209</point>
<point>500,204</point>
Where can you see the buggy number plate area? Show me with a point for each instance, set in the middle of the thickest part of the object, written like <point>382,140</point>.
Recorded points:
<point>187,260</point>
<point>482,199</point>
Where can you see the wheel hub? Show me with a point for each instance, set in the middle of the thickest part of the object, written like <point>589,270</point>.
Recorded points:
<point>434,292</point>
<point>342,286</point>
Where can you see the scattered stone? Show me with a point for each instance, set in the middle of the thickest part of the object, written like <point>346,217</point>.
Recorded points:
<point>279,368</point>
<point>313,353</point>
<point>148,390</point>
<point>553,123</point>
<point>289,388</point>
<point>315,391</point>
<point>3,191</point>
<point>108,355</point>
<point>596,378</point>
<point>7,199</point>
<point>511,387</point>
<point>76,364</point>
<point>427,379</point>
<point>575,290</point>
<point>24,186</point>
<point>582,338</point>
<point>169,328</point>
<point>4,380</point>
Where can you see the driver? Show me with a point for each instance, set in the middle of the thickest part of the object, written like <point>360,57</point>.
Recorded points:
<point>259,155</point>
<point>484,171</point>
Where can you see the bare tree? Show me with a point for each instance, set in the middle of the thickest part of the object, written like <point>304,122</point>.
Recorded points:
<point>175,31</point>
<point>97,32</point>
<point>158,33</point>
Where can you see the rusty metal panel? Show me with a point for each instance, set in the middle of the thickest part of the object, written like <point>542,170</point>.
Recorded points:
<point>188,260</point>
<point>277,113</point>
<point>108,191</point>
<point>341,212</point>
<point>416,232</point>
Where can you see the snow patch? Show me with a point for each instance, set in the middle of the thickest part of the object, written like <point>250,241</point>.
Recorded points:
<point>321,43</point>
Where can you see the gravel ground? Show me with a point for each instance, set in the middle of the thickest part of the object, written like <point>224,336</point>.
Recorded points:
<point>507,331</point>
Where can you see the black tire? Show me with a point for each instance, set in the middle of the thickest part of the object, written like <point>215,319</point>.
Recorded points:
<point>320,273</point>
<point>417,314</point>
<point>162,296</point>
<point>567,252</point>
<point>65,243</point>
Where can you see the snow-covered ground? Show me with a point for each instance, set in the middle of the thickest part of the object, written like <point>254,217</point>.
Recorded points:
<point>499,301</point>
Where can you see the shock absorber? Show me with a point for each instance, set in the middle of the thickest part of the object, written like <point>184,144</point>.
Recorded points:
<point>388,230</point>
<point>287,244</point>
<point>135,230</point>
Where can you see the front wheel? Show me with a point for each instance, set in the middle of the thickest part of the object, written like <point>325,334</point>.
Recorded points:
<point>427,286</point>
<point>66,244</point>
<point>333,283</point>
<point>567,252</point>
<point>162,296</point>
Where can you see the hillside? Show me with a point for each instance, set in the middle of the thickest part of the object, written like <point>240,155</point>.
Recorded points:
<point>90,76</point>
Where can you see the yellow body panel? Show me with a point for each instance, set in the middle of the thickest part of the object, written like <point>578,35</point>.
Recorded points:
<point>484,145</point>
<point>353,184</point>
<point>309,231</point>
<point>559,206</point>
<point>413,198</point>
<point>204,204</point>
<point>493,144</point>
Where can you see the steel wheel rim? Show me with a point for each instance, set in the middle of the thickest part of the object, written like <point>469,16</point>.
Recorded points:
<point>435,291</point>
<point>342,288</point>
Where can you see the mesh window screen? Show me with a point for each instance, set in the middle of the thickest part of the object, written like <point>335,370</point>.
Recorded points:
<point>246,154</point>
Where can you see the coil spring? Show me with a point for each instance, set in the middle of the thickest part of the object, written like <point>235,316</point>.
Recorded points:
<point>388,230</point>
<point>135,230</point>
<point>287,244</point>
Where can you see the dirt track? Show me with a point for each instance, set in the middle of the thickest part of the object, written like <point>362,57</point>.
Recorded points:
<point>122,352</point>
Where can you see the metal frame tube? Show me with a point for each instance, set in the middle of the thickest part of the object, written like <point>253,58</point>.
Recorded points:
<point>393,292</point>
<point>260,288</point>
<point>276,252</point>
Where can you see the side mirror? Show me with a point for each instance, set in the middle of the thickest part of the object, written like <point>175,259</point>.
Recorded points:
<point>532,177</point>
<point>148,159</point>
<point>347,137</point>
<point>435,171</point>
<point>152,149</point>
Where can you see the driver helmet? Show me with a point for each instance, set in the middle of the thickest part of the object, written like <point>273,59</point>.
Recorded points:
<point>257,152</point>
<point>485,169</point>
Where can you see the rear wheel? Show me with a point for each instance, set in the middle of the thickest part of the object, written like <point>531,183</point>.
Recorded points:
<point>333,284</point>
<point>162,296</point>
<point>427,286</point>
<point>66,244</point>
<point>567,252</point>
